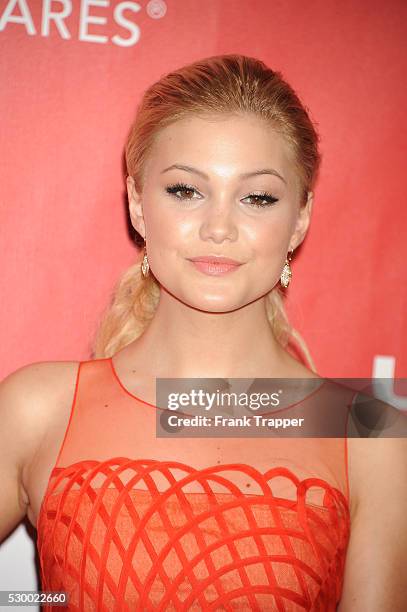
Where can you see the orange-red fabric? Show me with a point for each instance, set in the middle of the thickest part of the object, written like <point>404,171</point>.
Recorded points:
<point>120,530</point>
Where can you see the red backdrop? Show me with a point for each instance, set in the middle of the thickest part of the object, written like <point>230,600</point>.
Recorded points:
<point>72,73</point>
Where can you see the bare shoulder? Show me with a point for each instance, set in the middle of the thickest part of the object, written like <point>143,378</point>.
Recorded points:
<point>38,375</point>
<point>35,395</point>
<point>377,549</point>
<point>30,391</point>
<point>32,399</point>
<point>377,447</point>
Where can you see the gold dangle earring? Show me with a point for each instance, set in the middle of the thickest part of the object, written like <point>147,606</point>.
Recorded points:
<point>287,272</point>
<point>145,268</point>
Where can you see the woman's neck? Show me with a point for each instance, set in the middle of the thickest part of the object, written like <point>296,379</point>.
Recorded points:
<point>185,342</point>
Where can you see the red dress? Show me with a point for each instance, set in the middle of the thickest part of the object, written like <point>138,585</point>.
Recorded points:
<point>119,530</point>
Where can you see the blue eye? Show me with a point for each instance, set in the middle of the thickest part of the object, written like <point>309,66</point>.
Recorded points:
<point>264,199</point>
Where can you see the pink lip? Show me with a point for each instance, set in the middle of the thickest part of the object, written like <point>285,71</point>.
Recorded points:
<point>215,266</point>
<point>215,259</point>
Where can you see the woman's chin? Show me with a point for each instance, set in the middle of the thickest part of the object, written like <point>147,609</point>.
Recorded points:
<point>207,301</point>
<point>215,304</point>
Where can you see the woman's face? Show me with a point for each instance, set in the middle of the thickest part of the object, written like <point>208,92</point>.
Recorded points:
<point>219,187</point>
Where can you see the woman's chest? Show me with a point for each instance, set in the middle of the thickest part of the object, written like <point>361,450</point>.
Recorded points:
<point>128,532</point>
<point>251,466</point>
<point>248,461</point>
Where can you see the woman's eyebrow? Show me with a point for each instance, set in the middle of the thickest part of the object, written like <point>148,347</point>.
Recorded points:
<point>241,176</point>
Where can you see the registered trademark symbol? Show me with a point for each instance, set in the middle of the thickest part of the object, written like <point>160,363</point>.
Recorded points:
<point>156,9</point>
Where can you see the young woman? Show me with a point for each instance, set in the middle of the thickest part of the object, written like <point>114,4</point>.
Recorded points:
<point>222,160</point>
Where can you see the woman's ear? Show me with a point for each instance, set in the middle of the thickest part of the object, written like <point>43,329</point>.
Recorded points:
<point>303,221</point>
<point>135,207</point>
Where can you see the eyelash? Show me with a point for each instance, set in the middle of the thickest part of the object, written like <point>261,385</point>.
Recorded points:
<point>172,190</point>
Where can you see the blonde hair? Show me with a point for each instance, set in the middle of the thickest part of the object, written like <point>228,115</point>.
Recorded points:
<point>223,84</point>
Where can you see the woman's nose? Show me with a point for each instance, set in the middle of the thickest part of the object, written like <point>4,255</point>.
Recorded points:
<point>219,221</point>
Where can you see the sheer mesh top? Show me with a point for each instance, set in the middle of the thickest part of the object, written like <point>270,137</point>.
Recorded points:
<point>126,525</point>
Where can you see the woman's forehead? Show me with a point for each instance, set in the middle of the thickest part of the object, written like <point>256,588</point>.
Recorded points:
<point>231,146</point>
